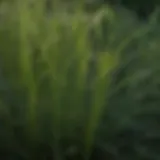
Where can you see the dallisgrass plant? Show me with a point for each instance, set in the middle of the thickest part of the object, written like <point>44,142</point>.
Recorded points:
<point>61,74</point>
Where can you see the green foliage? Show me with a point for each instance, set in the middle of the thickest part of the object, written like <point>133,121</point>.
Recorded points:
<point>78,85</point>
<point>45,62</point>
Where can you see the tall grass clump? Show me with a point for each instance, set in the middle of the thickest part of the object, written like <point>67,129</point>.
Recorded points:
<point>45,63</point>
<point>72,83</point>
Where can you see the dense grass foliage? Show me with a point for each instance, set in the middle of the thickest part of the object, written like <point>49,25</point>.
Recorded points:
<point>76,85</point>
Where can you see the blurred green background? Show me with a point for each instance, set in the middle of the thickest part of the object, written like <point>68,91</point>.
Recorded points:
<point>79,80</point>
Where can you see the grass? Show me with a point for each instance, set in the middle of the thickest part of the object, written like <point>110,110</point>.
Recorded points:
<point>48,60</point>
<point>50,97</point>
